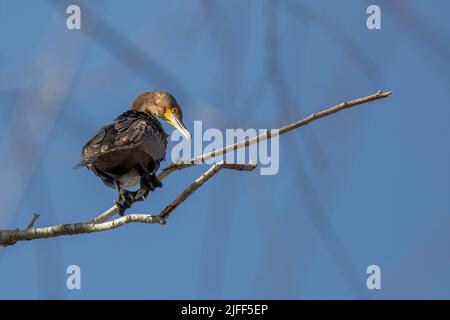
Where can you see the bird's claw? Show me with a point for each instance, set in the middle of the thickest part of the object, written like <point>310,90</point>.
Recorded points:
<point>125,200</point>
<point>141,194</point>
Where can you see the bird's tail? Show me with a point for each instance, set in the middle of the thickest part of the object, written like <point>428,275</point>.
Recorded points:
<point>81,164</point>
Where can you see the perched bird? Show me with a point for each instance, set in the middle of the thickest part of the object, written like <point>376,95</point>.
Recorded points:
<point>128,152</point>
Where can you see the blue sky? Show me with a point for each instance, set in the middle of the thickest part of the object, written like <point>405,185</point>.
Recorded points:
<point>365,186</point>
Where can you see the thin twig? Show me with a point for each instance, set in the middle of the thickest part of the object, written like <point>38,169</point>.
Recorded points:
<point>33,220</point>
<point>200,181</point>
<point>10,237</point>
<point>270,133</point>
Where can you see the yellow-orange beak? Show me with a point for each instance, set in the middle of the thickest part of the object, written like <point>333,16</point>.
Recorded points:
<point>177,123</point>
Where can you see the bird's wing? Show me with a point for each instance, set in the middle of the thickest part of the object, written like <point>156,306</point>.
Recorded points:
<point>138,130</point>
<point>101,143</point>
<point>131,130</point>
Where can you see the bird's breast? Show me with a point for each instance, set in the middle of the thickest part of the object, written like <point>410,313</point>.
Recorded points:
<point>130,180</point>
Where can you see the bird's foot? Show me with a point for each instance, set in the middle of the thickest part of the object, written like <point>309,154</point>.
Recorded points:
<point>156,182</point>
<point>125,200</point>
<point>151,182</point>
<point>148,183</point>
<point>141,194</point>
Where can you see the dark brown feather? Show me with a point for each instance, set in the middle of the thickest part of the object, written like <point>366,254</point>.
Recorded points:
<point>134,138</point>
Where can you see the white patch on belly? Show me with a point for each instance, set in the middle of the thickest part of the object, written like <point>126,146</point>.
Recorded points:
<point>130,180</point>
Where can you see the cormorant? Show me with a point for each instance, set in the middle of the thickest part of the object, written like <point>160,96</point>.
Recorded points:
<point>128,152</point>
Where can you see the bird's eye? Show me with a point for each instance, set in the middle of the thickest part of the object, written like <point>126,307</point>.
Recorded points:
<point>176,112</point>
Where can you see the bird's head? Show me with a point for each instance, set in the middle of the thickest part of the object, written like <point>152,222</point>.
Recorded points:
<point>162,105</point>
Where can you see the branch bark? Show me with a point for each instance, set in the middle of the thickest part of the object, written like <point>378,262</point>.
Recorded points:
<point>9,237</point>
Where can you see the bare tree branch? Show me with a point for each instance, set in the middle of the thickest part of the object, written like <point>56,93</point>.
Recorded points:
<point>9,237</point>
<point>270,133</point>
<point>33,220</point>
